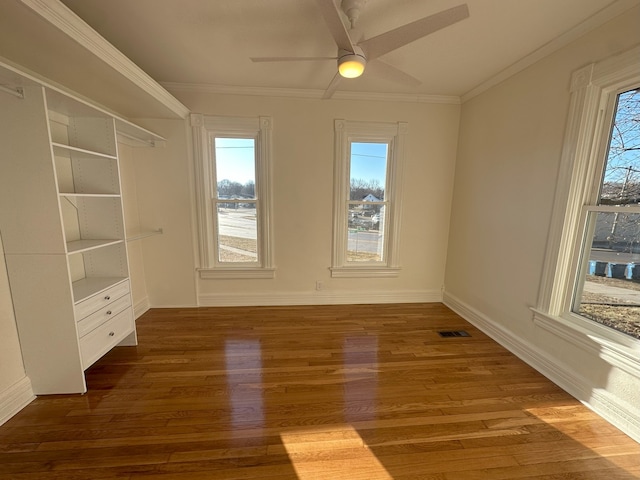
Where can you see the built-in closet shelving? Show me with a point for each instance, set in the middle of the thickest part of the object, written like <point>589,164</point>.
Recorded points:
<point>63,230</point>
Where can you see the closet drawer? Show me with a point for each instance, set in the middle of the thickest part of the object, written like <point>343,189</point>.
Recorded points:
<point>105,313</point>
<point>102,339</point>
<point>102,299</point>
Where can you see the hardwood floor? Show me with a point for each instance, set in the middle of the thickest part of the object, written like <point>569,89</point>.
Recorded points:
<point>326,392</point>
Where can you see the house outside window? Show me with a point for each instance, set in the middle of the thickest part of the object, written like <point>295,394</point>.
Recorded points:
<point>367,203</point>
<point>233,186</point>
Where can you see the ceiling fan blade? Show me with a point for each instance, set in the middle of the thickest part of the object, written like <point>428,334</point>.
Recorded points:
<point>290,59</point>
<point>333,86</point>
<point>398,37</point>
<point>332,18</point>
<point>389,72</point>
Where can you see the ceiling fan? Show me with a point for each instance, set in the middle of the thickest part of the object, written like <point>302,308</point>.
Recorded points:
<point>354,54</point>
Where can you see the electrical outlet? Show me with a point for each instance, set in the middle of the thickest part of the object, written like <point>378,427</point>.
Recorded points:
<point>319,285</point>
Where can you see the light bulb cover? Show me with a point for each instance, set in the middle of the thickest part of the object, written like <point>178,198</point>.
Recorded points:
<point>351,65</point>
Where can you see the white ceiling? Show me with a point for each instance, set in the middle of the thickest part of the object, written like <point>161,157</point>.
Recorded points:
<point>209,42</point>
<point>126,47</point>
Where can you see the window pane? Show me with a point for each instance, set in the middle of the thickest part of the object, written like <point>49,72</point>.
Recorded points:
<point>368,171</point>
<point>237,232</point>
<point>365,242</point>
<point>235,167</point>
<point>621,181</point>
<point>611,291</point>
<point>364,246</point>
<point>368,177</point>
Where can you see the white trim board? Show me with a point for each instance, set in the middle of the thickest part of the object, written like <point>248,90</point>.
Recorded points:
<point>616,411</point>
<point>15,398</point>
<point>61,17</point>
<point>324,297</point>
<point>308,93</point>
<point>596,20</point>
<point>141,307</point>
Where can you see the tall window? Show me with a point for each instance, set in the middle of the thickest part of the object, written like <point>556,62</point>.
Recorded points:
<point>367,206</point>
<point>368,172</point>
<point>233,159</point>
<point>608,286</point>
<point>235,201</point>
<point>590,291</point>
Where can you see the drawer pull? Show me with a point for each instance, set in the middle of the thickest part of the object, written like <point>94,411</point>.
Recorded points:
<point>107,297</point>
<point>108,312</point>
<point>111,334</point>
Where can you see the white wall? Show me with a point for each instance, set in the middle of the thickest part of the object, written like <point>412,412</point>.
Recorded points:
<point>303,195</point>
<point>163,182</point>
<point>15,388</point>
<point>133,227</point>
<point>509,152</point>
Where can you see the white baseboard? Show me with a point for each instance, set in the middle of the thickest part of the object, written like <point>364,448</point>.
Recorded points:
<point>140,307</point>
<point>317,298</point>
<point>15,398</point>
<point>615,410</point>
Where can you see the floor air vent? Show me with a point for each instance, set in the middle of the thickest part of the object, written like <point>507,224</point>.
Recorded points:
<point>454,333</point>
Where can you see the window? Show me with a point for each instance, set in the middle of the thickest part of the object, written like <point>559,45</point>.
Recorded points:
<point>590,279</point>
<point>233,184</point>
<point>234,200</point>
<point>608,282</point>
<point>368,173</point>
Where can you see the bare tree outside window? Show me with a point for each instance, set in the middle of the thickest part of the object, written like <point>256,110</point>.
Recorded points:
<point>621,182</point>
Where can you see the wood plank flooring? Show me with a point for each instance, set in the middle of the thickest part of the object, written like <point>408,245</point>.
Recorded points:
<point>322,392</point>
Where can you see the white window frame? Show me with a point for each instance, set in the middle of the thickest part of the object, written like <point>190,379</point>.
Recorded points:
<point>594,89</point>
<point>205,129</point>
<point>346,132</point>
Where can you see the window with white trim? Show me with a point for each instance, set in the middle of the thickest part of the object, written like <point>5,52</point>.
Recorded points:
<point>608,280</point>
<point>233,185</point>
<point>596,214</point>
<point>367,203</point>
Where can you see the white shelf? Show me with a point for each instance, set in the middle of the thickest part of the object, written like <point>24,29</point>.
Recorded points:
<point>136,136</point>
<point>90,195</point>
<point>68,148</point>
<point>62,179</point>
<point>83,289</point>
<point>143,234</point>
<point>79,246</point>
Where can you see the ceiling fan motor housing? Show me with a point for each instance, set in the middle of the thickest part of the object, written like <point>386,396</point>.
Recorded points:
<point>351,64</point>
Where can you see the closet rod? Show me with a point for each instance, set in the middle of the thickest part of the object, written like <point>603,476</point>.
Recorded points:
<point>16,92</point>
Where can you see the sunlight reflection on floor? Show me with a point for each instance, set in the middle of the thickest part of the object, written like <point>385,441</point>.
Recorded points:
<point>322,453</point>
<point>601,439</point>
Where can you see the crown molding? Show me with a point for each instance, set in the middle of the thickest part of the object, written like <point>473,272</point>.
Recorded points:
<point>61,17</point>
<point>308,93</point>
<point>599,18</point>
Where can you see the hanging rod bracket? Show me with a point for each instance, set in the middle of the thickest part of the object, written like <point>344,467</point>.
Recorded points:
<point>16,92</point>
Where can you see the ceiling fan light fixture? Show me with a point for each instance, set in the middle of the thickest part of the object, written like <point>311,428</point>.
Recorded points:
<point>351,65</point>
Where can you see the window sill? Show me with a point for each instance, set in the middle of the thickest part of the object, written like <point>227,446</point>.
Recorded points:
<point>616,348</point>
<point>236,273</point>
<point>364,272</point>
